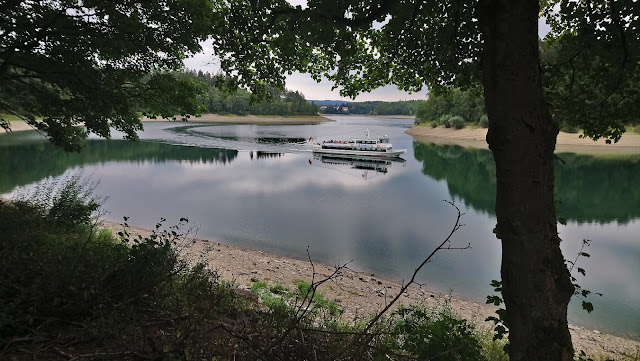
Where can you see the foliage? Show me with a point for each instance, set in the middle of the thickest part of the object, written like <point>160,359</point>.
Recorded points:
<point>492,350</point>
<point>279,298</point>
<point>65,63</point>
<point>467,104</point>
<point>425,334</point>
<point>457,122</point>
<point>222,98</point>
<point>375,108</point>
<point>262,43</point>
<point>67,202</point>
<point>484,121</point>
<point>58,287</point>
<point>501,326</point>
<point>591,67</point>
<point>579,291</point>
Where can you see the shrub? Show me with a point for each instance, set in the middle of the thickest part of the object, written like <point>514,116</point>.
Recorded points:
<point>425,335</point>
<point>568,128</point>
<point>66,202</point>
<point>457,122</point>
<point>484,121</point>
<point>445,120</point>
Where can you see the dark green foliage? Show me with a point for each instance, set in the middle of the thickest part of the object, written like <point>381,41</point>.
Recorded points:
<point>425,335</point>
<point>266,41</point>
<point>65,63</point>
<point>501,326</point>
<point>375,108</point>
<point>457,122</point>
<point>580,292</point>
<point>591,66</point>
<point>222,98</point>
<point>467,104</point>
<point>484,121</point>
<point>64,283</point>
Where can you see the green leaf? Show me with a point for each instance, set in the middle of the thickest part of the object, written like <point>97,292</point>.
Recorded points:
<point>587,306</point>
<point>562,221</point>
<point>582,271</point>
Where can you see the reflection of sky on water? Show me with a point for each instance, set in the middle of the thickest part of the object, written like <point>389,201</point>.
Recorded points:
<point>385,222</point>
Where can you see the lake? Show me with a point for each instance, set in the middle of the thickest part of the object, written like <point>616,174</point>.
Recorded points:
<point>259,186</point>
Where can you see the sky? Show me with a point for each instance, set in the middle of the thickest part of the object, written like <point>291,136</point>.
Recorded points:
<point>205,61</point>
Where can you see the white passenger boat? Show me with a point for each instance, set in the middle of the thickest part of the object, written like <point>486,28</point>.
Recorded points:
<point>369,147</point>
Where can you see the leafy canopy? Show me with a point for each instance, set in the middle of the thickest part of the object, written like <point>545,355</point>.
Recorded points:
<point>591,60</point>
<point>359,45</point>
<point>364,44</point>
<point>66,62</point>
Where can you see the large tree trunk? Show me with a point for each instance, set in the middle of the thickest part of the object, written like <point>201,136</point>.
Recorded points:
<point>522,136</point>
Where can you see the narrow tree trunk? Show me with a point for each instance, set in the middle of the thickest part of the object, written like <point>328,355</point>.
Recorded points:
<point>522,137</point>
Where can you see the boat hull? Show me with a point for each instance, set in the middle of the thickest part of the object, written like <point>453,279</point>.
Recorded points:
<point>360,153</point>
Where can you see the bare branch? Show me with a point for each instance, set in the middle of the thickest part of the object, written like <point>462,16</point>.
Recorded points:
<point>404,287</point>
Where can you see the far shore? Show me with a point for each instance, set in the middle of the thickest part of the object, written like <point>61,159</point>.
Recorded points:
<point>358,293</point>
<point>566,142</point>
<point>19,125</point>
<point>251,119</point>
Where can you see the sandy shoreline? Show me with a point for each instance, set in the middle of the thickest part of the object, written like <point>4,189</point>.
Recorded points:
<point>18,125</point>
<point>356,292</point>
<point>566,142</point>
<point>252,119</point>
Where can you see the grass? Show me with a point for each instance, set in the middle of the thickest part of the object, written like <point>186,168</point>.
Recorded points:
<point>278,296</point>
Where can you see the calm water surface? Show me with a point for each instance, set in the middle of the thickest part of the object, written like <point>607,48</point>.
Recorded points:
<point>259,186</point>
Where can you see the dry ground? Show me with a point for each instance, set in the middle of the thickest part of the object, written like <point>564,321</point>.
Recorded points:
<point>566,142</point>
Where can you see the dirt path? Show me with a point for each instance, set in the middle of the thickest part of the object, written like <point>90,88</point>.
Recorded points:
<point>359,293</point>
<point>566,142</point>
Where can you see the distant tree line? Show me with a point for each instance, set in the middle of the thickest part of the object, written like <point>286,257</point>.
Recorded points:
<point>458,108</point>
<point>454,109</point>
<point>374,108</point>
<point>223,97</point>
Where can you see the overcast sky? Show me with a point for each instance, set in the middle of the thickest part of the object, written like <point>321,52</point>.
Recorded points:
<point>303,83</point>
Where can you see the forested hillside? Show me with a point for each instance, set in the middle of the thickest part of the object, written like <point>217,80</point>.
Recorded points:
<point>374,108</point>
<point>222,97</point>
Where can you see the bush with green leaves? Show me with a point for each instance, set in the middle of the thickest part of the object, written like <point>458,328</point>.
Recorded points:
<point>68,201</point>
<point>445,120</point>
<point>457,122</point>
<point>280,298</point>
<point>484,121</point>
<point>418,332</point>
<point>64,282</point>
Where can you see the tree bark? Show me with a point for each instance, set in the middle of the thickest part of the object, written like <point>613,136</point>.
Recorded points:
<point>522,136</point>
